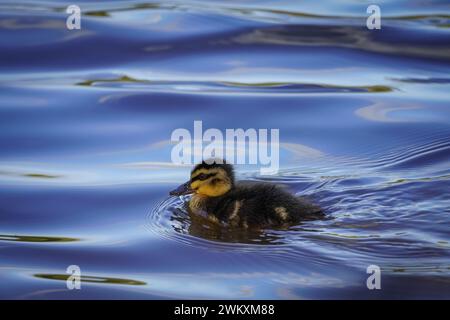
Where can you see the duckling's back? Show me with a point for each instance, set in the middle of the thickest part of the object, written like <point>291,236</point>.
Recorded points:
<point>261,204</point>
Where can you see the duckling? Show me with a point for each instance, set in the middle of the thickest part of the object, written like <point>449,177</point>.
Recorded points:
<point>219,198</point>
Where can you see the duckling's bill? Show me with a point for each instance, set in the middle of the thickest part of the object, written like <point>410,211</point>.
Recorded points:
<point>185,188</point>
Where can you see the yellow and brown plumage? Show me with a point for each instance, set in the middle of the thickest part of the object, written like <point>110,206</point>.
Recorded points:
<point>217,197</point>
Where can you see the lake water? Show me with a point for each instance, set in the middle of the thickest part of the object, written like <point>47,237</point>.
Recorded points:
<point>86,118</point>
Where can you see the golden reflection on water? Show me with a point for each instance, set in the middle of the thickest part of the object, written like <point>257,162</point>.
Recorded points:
<point>91,279</point>
<point>20,238</point>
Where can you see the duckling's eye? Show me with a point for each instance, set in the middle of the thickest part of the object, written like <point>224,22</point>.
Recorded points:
<point>203,176</point>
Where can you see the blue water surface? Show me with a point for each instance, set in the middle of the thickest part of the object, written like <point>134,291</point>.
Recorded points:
<point>86,118</point>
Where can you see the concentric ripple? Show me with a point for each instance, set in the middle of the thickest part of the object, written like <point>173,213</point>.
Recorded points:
<point>171,220</point>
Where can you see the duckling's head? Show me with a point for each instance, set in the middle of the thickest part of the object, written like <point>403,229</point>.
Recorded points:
<point>211,178</point>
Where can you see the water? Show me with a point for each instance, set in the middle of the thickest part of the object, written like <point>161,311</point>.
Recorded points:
<point>86,118</point>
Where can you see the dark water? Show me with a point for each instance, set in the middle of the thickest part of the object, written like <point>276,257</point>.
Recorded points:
<point>86,118</point>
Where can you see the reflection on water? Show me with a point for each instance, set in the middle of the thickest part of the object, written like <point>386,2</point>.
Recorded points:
<point>124,82</point>
<point>5,237</point>
<point>86,118</point>
<point>174,211</point>
<point>91,279</point>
